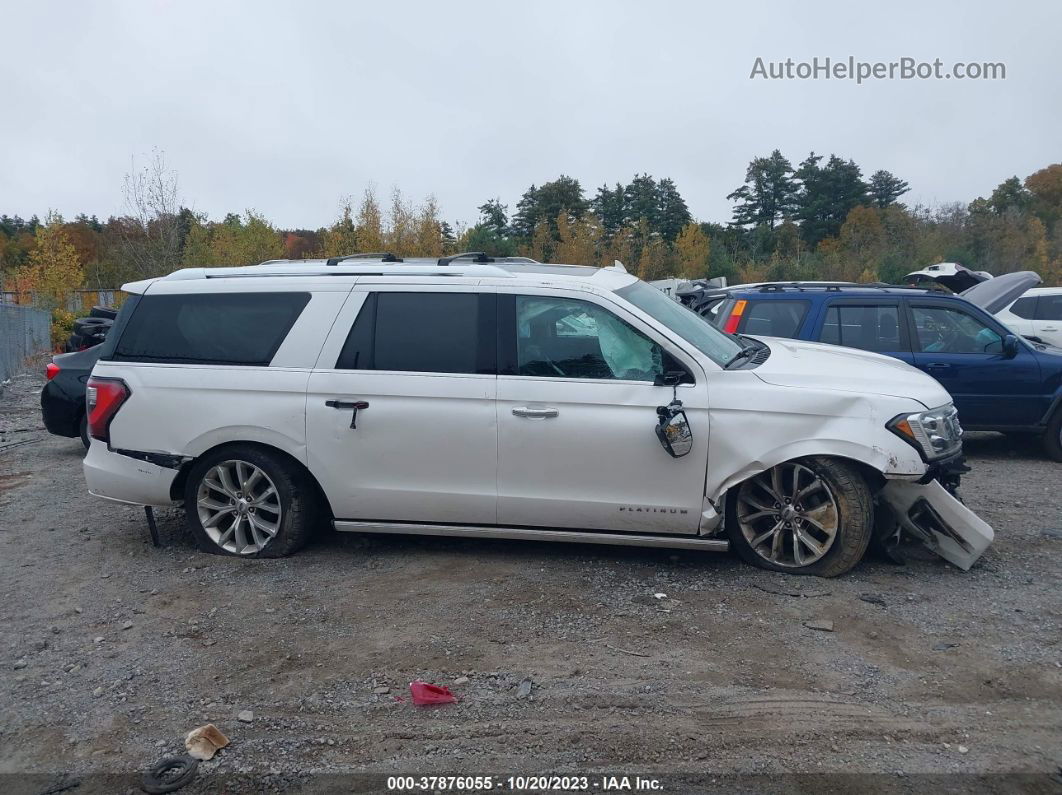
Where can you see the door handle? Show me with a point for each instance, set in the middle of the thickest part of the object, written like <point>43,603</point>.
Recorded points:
<point>538,414</point>
<point>1049,328</point>
<point>938,366</point>
<point>349,404</point>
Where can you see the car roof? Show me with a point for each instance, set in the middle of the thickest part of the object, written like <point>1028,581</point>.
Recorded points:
<point>423,270</point>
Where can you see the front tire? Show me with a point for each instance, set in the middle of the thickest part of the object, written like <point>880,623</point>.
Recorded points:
<point>1052,438</point>
<point>807,516</point>
<point>245,501</point>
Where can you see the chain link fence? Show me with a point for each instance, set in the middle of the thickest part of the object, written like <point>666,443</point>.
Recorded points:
<point>24,332</point>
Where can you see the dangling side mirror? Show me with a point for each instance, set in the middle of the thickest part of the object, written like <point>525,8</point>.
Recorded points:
<point>673,429</point>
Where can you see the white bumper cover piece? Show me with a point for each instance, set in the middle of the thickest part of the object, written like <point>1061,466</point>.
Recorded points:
<point>124,479</point>
<point>940,521</point>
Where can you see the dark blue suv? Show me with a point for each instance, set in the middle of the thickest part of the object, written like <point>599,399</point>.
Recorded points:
<point>999,381</point>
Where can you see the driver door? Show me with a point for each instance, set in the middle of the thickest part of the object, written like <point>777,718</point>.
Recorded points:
<point>965,354</point>
<point>577,446</point>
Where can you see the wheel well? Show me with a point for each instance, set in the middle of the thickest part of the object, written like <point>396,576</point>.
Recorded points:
<point>177,487</point>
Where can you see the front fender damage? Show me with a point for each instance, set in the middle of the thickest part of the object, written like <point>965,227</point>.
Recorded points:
<point>932,515</point>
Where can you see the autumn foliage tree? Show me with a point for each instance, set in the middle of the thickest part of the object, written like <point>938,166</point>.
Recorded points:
<point>53,269</point>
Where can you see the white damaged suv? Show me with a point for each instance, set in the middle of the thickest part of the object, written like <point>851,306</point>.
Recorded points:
<point>507,398</point>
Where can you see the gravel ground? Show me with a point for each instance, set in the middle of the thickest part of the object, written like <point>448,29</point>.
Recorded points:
<point>111,650</point>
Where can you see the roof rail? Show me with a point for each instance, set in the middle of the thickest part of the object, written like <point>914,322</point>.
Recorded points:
<point>383,256</point>
<point>478,257</point>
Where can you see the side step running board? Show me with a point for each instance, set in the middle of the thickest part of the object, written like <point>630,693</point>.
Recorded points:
<point>532,534</point>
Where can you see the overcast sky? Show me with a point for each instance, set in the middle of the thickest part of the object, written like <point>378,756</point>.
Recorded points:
<point>289,107</point>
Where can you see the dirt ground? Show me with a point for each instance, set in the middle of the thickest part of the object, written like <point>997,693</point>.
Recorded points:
<point>111,649</point>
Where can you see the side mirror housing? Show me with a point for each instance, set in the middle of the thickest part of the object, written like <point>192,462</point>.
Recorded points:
<point>1010,346</point>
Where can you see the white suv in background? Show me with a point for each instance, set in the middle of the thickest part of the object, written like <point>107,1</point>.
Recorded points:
<point>1038,313</point>
<point>474,397</point>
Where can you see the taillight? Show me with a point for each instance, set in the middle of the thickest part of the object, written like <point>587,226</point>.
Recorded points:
<point>51,371</point>
<point>103,398</point>
<point>734,320</point>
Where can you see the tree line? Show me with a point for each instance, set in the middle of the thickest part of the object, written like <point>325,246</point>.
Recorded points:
<point>820,219</point>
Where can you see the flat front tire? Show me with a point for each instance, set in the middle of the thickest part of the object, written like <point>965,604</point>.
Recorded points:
<point>807,516</point>
<point>1053,436</point>
<point>246,501</point>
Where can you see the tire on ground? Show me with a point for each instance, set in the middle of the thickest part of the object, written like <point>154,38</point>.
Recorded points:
<point>298,500</point>
<point>1052,438</point>
<point>855,506</point>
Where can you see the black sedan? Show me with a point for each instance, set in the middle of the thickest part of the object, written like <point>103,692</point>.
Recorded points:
<point>63,397</point>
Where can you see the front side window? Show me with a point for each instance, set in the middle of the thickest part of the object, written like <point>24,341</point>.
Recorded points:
<point>209,328</point>
<point>568,338</point>
<point>874,327</point>
<point>774,318</point>
<point>422,332</point>
<point>945,330</point>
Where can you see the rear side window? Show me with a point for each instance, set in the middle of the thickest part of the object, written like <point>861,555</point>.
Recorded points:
<point>1025,307</point>
<point>423,333</point>
<point>871,327</point>
<point>1049,308</point>
<point>209,328</point>
<point>774,318</point>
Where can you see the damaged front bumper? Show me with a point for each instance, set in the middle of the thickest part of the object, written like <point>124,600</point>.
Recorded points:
<point>929,513</point>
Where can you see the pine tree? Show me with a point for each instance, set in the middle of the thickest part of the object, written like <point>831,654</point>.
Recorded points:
<point>769,193</point>
<point>494,216</point>
<point>672,212</point>
<point>608,205</point>
<point>885,189</point>
<point>827,194</point>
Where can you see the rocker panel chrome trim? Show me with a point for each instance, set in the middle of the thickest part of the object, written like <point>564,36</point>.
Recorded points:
<point>533,534</point>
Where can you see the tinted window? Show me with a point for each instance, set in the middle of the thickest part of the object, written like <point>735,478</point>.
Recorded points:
<point>1049,308</point>
<point>1025,307</point>
<point>872,327</point>
<point>209,328</point>
<point>943,330</point>
<point>774,318</point>
<point>567,338</point>
<point>423,333</point>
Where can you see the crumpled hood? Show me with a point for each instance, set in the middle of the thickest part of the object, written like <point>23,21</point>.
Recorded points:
<point>820,366</point>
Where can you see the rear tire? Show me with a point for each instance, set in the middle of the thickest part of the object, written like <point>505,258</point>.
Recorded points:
<point>249,502</point>
<point>824,502</point>
<point>1052,438</point>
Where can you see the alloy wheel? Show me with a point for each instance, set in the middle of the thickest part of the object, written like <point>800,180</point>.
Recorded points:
<point>788,515</point>
<point>239,507</point>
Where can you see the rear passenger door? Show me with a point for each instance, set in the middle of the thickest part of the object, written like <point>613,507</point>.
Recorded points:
<point>1048,322</point>
<point>870,324</point>
<point>425,447</point>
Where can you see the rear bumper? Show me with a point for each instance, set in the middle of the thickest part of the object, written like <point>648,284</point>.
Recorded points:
<point>61,414</point>
<point>124,479</point>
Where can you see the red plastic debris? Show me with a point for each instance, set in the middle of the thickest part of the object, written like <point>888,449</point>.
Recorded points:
<point>424,693</point>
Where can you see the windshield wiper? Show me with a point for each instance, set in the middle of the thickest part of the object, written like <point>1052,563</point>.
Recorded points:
<point>744,353</point>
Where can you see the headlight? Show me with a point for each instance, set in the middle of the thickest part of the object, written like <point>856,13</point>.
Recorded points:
<point>935,433</point>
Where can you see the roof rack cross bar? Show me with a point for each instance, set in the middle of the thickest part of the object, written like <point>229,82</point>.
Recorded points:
<point>479,257</point>
<point>383,256</point>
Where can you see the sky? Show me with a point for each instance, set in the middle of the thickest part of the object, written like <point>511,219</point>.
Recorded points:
<point>288,107</point>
